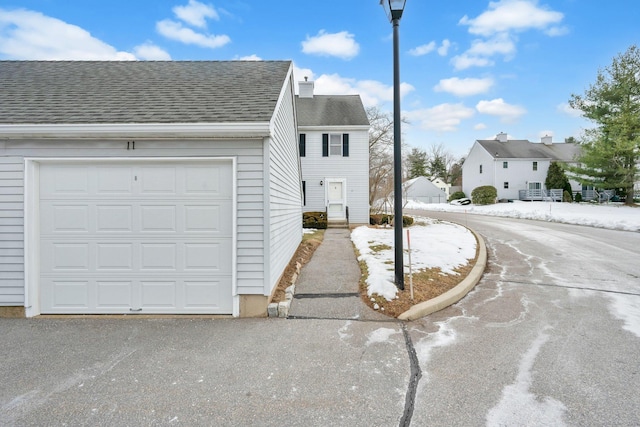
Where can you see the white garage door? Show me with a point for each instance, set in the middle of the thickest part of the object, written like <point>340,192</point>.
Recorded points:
<point>136,237</point>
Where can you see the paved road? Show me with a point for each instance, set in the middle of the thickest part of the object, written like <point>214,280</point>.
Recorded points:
<point>548,337</point>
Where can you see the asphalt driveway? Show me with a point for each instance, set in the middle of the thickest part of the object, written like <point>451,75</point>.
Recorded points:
<point>138,372</point>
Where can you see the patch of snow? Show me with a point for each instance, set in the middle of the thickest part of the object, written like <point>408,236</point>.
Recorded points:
<point>612,216</point>
<point>380,335</point>
<point>433,244</point>
<point>627,309</point>
<point>520,407</point>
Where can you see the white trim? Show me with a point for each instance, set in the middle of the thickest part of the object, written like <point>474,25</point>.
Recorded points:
<point>333,129</point>
<point>165,130</point>
<point>343,181</point>
<point>32,223</point>
<point>266,160</point>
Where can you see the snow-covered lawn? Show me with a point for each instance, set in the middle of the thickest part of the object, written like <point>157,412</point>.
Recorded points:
<point>613,216</point>
<point>446,245</point>
<point>433,244</point>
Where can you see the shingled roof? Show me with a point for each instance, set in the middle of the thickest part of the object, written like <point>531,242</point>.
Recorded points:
<point>331,110</point>
<point>124,92</point>
<point>524,149</point>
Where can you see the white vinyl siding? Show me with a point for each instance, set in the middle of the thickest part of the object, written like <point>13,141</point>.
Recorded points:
<point>11,232</point>
<point>250,197</point>
<point>285,190</point>
<point>354,168</point>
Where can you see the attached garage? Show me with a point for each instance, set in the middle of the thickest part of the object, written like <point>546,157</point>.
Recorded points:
<point>136,236</point>
<point>134,187</point>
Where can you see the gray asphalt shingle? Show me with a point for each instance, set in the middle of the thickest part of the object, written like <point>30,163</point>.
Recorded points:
<point>83,92</point>
<point>524,149</point>
<point>331,110</point>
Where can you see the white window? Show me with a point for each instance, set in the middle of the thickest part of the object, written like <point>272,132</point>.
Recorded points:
<point>335,144</point>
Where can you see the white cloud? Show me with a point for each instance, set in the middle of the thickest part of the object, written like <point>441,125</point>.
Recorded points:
<point>423,49</point>
<point>500,44</point>
<point>341,45</point>
<point>480,126</point>
<point>176,31</point>
<point>512,15</point>
<point>441,118</point>
<point>252,57</point>
<point>26,34</point>
<point>464,87</point>
<point>196,13</point>
<point>151,52</point>
<point>565,108</point>
<point>443,50</point>
<point>464,61</point>
<point>497,107</point>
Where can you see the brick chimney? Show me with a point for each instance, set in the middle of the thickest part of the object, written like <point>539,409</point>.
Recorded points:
<point>305,88</point>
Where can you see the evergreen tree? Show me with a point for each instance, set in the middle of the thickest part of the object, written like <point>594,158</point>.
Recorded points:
<point>417,163</point>
<point>611,151</point>
<point>557,179</point>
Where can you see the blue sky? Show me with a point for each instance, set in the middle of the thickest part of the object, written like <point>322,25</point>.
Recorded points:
<point>469,68</point>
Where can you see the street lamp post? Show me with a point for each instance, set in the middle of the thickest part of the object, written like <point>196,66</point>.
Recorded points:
<point>394,9</point>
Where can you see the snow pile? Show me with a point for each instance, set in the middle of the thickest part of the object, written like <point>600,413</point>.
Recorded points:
<point>434,244</point>
<point>612,216</point>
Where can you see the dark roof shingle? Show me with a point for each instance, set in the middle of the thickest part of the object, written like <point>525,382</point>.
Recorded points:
<point>524,149</point>
<point>87,92</point>
<point>331,110</point>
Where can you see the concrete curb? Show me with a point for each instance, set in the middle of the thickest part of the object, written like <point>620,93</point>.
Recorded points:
<point>453,295</point>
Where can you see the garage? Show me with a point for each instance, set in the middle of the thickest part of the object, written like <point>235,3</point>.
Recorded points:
<point>126,236</point>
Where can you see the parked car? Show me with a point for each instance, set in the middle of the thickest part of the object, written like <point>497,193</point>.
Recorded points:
<point>461,202</point>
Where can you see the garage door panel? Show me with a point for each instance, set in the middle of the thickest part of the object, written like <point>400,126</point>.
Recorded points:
<point>113,180</point>
<point>114,294</point>
<point>114,256</point>
<point>157,180</point>
<point>158,256</point>
<point>158,218</point>
<point>66,295</point>
<point>144,237</point>
<point>111,218</point>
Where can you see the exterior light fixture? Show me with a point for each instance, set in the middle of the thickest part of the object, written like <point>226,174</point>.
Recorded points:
<point>394,10</point>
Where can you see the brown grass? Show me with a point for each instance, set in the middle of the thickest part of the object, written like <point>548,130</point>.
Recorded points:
<point>307,247</point>
<point>427,284</point>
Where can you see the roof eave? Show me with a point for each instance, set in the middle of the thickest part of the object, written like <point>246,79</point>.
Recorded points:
<point>137,130</point>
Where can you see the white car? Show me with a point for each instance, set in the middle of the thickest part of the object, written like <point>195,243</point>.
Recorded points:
<point>461,202</point>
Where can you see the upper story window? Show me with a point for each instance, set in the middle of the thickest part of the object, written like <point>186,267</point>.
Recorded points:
<point>335,144</point>
<point>505,165</point>
<point>480,168</point>
<point>303,144</point>
<point>535,166</point>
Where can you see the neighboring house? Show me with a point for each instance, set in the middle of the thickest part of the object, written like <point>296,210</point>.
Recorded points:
<point>334,154</point>
<point>516,168</point>
<point>146,187</point>
<point>439,182</point>
<point>423,190</point>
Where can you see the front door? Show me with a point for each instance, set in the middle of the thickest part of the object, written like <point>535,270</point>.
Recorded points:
<point>336,199</point>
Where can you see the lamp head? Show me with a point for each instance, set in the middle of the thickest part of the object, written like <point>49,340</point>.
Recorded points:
<point>393,8</point>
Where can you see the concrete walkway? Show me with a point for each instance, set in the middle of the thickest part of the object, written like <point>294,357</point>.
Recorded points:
<point>327,287</point>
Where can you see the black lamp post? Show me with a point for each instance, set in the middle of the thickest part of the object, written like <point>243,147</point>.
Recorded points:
<point>394,9</point>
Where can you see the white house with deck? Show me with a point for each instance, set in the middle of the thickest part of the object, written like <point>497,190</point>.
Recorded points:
<point>147,187</point>
<point>516,168</point>
<point>334,155</point>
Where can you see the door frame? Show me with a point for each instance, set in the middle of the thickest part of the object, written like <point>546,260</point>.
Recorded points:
<point>328,182</point>
<point>32,218</point>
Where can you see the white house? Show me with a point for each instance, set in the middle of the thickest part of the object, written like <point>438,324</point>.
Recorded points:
<point>146,187</point>
<point>514,167</point>
<point>423,190</point>
<point>439,182</point>
<point>334,154</point>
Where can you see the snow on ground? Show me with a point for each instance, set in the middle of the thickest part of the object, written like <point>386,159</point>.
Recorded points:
<point>433,244</point>
<point>446,245</point>
<point>612,216</point>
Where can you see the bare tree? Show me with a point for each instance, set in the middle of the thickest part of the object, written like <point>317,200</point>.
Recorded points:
<point>441,163</point>
<point>380,154</point>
